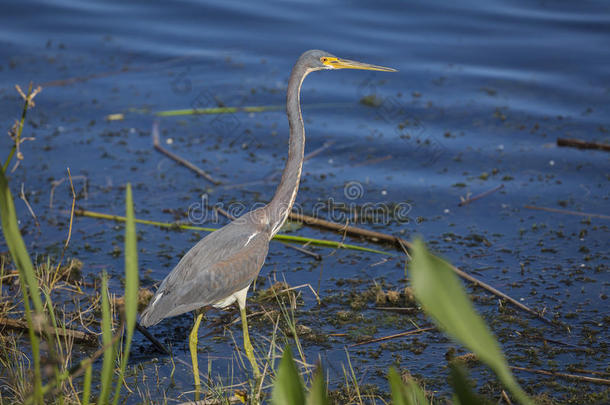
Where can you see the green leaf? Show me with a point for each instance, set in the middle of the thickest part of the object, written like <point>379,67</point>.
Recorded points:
<point>405,394</point>
<point>317,391</point>
<point>131,264</point>
<point>87,384</point>
<point>108,362</point>
<point>218,110</point>
<point>15,243</point>
<point>55,327</point>
<point>462,387</point>
<point>27,277</point>
<point>440,293</point>
<point>131,285</point>
<point>288,387</point>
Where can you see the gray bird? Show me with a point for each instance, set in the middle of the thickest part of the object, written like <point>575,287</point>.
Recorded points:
<point>219,269</point>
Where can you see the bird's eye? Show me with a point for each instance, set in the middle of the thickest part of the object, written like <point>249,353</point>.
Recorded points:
<point>324,60</point>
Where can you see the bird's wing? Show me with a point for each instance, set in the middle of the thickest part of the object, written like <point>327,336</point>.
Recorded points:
<point>219,265</point>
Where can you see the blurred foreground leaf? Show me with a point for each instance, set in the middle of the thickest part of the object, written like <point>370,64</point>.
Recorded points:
<point>131,286</point>
<point>317,391</point>
<point>109,353</point>
<point>27,277</point>
<point>440,293</point>
<point>462,387</point>
<point>288,387</point>
<point>405,394</point>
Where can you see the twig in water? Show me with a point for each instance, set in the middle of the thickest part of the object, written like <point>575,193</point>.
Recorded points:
<point>539,337</point>
<point>56,183</point>
<point>583,371</point>
<point>372,235</point>
<point>202,173</point>
<point>506,398</point>
<point>27,204</point>
<point>277,237</point>
<point>77,335</point>
<point>316,152</point>
<point>396,335</point>
<point>378,236</point>
<point>396,309</point>
<point>373,161</point>
<point>218,110</point>
<point>580,144</point>
<point>468,200</point>
<point>404,248</point>
<point>566,376</point>
<point>71,210</point>
<point>234,399</point>
<point>56,275</point>
<point>119,218</point>
<point>171,155</point>
<point>301,286</point>
<point>303,250</point>
<point>567,212</point>
<point>78,369</point>
<point>245,184</point>
<point>195,111</point>
<point>232,110</point>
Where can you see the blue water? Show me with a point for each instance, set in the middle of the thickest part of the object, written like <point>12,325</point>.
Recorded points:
<point>484,90</point>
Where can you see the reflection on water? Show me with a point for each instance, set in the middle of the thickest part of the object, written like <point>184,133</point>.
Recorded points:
<point>482,94</point>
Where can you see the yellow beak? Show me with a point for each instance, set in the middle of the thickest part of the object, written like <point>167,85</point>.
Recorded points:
<point>338,63</point>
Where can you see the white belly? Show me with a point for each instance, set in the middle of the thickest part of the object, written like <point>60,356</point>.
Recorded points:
<point>239,296</point>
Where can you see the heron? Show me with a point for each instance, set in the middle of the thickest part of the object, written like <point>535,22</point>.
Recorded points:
<point>220,268</point>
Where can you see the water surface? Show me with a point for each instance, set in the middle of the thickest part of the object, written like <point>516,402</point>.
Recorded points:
<point>484,90</point>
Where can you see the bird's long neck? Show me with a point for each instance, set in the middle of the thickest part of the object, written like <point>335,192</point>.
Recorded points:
<point>281,204</point>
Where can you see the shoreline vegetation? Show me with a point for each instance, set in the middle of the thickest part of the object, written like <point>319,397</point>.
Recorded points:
<point>40,337</point>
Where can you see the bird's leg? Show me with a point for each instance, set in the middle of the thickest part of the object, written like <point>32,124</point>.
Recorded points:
<point>247,344</point>
<point>193,348</point>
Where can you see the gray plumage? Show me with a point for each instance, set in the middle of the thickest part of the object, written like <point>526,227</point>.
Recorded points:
<point>222,263</point>
<point>221,267</point>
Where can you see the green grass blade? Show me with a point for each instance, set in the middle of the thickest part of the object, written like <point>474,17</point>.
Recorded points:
<point>352,375</point>
<point>280,237</point>
<point>221,110</point>
<point>109,355</point>
<point>131,285</point>
<point>440,293</point>
<point>119,218</point>
<point>15,243</point>
<point>317,391</point>
<point>87,385</point>
<point>327,243</point>
<point>27,277</point>
<point>405,394</point>
<point>52,354</point>
<point>288,387</point>
<point>35,344</point>
<point>218,110</point>
<point>52,319</point>
<point>462,387</point>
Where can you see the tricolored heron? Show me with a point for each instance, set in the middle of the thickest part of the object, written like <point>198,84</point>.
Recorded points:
<point>219,269</point>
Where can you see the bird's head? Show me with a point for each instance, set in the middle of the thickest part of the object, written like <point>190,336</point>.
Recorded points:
<point>319,60</point>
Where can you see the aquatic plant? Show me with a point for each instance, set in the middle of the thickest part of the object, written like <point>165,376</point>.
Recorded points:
<point>40,314</point>
<point>443,298</point>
